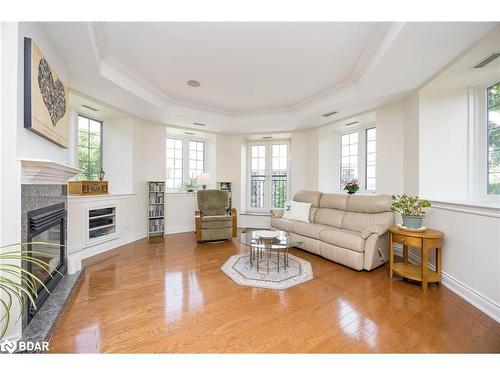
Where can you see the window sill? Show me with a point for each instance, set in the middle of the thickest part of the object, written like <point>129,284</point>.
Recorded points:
<point>254,213</point>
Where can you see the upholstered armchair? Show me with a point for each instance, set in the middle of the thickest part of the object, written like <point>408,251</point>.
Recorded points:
<point>213,222</point>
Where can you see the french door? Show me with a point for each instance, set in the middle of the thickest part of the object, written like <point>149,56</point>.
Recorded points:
<point>268,164</point>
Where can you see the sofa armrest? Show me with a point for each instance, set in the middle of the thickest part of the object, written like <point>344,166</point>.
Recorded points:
<point>378,229</point>
<point>197,222</point>
<point>234,222</point>
<point>277,212</point>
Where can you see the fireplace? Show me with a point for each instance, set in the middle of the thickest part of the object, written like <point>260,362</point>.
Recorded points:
<point>46,225</point>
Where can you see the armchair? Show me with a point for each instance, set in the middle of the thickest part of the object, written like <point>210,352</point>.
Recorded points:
<point>212,221</point>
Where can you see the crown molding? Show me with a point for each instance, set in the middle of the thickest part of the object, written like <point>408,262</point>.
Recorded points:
<point>380,41</point>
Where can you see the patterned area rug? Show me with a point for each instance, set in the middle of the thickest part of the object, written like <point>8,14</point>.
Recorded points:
<point>239,269</point>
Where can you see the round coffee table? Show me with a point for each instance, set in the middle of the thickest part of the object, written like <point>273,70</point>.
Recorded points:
<point>261,249</point>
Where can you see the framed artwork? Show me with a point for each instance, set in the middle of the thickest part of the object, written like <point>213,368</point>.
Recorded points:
<point>45,97</point>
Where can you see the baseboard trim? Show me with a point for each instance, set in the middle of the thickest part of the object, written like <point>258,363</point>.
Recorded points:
<point>475,298</point>
<point>180,229</point>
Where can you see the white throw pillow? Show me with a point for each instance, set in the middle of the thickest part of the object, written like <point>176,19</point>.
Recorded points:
<point>286,211</point>
<point>299,211</point>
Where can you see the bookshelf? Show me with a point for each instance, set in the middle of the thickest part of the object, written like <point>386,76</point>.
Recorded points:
<point>156,208</point>
<point>226,186</point>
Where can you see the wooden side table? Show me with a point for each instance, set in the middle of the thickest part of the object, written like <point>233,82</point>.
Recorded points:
<point>425,241</point>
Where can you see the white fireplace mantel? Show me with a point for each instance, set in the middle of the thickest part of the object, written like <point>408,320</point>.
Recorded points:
<point>45,172</point>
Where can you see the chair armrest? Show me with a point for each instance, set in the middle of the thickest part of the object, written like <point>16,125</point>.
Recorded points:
<point>197,223</point>
<point>277,212</point>
<point>234,222</point>
<point>378,229</point>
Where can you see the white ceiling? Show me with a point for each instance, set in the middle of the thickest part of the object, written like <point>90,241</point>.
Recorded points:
<point>255,77</point>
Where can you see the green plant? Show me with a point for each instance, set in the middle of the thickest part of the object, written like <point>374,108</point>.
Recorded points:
<point>409,205</point>
<point>16,283</point>
<point>190,185</point>
<point>351,186</point>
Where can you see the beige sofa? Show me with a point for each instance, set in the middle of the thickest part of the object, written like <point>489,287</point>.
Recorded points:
<point>348,229</point>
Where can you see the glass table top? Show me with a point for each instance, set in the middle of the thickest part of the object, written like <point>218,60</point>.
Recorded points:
<point>283,241</point>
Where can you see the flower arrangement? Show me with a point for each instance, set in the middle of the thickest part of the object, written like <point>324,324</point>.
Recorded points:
<point>351,186</point>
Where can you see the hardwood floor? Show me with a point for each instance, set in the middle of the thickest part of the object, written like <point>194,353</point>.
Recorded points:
<point>171,297</point>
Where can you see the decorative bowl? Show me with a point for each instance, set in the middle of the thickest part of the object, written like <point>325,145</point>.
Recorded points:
<point>267,234</point>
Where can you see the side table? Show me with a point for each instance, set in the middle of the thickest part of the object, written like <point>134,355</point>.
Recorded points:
<point>425,241</point>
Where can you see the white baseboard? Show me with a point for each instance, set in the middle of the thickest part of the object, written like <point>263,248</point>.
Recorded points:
<point>179,229</point>
<point>475,298</point>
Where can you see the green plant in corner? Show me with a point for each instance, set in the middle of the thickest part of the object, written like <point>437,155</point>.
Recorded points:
<point>411,209</point>
<point>190,185</point>
<point>16,283</point>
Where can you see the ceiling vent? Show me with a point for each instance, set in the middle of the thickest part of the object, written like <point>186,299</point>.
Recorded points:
<point>328,114</point>
<point>487,60</point>
<point>352,123</point>
<point>199,124</point>
<point>267,137</point>
<point>189,133</point>
<point>89,107</point>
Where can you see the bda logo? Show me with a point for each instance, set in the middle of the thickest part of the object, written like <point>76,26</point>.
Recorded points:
<point>8,346</point>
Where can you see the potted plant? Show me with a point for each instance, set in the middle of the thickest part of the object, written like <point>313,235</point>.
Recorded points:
<point>190,185</point>
<point>351,186</point>
<point>16,283</point>
<point>411,209</point>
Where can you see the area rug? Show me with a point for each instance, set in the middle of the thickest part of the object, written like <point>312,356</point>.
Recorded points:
<point>238,269</point>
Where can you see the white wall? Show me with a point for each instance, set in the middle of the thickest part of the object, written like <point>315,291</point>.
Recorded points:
<point>411,144</point>
<point>390,125</point>
<point>10,180</point>
<point>118,154</point>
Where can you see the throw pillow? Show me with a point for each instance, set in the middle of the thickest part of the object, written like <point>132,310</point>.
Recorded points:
<point>286,211</point>
<point>300,211</point>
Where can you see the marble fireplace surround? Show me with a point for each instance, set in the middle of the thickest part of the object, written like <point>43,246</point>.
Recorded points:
<point>44,183</point>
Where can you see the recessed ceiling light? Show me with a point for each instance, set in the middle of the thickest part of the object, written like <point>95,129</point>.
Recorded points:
<point>193,83</point>
<point>329,113</point>
<point>189,133</point>
<point>352,123</point>
<point>199,124</point>
<point>267,137</point>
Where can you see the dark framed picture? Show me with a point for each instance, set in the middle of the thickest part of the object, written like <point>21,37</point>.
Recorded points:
<point>45,97</point>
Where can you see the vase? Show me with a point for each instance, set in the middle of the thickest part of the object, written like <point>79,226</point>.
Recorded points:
<point>410,221</point>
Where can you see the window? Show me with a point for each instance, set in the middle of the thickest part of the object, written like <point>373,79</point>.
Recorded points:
<point>371,158</point>
<point>357,158</point>
<point>185,160</point>
<point>268,166</point>
<point>89,148</point>
<point>493,130</point>
<point>196,158</point>
<point>174,163</point>
<point>349,158</point>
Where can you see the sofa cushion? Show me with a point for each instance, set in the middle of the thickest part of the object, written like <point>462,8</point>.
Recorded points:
<point>216,224</point>
<point>216,218</point>
<point>307,229</point>
<point>282,224</point>
<point>370,204</point>
<point>312,197</point>
<point>343,238</point>
<point>329,217</point>
<point>335,201</point>
<point>358,222</point>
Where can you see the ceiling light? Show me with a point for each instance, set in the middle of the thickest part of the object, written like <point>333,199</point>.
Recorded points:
<point>487,60</point>
<point>193,83</point>
<point>199,124</point>
<point>89,107</point>
<point>267,137</point>
<point>189,133</point>
<point>352,123</point>
<point>329,113</point>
